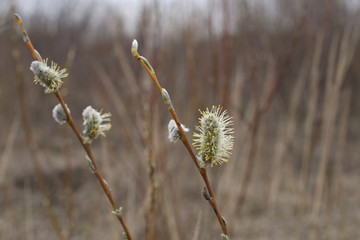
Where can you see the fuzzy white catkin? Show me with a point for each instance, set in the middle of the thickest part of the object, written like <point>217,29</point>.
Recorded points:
<point>95,124</point>
<point>59,114</point>
<point>39,68</point>
<point>48,76</point>
<point>214,139</point>
<point>89,113</point>
<point>174,133</point>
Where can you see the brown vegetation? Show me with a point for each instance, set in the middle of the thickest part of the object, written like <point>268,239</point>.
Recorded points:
<point>286,71</point>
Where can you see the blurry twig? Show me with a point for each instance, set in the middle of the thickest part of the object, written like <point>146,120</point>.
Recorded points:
<point>28,211</point>
<point>341,142</point>
<point>197,229</point>
<point>170,212</point>
<point>308,145</point>
<point>9,146</point>
<point>269,95</point>
<point>226,46</point>
<point>120,107</point>
<point>152,191</point>
<point>70,56</point>
<point>286,135</point>
<point>335,78</point>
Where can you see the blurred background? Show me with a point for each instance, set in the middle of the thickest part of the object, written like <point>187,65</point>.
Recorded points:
<point>287,71</point>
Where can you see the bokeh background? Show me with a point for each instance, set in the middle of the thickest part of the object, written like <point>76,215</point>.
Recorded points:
<point>287,71</point>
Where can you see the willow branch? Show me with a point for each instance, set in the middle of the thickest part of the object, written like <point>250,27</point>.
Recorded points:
<point>87,148</point>
<point>208,194</point>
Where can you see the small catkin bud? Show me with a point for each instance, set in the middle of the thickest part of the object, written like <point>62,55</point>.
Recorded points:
<point>166,97</point>
<point>95,124</point>
<point>125,236</point>
<point>17,16</point>
<point>201,162</point>
<point>37,55</point>
<point>91,164</point>
<point>214,139</point>
<point>59,114</point>
<point>223,220</point>
<point>118,211</point>
<point>147,64</point>
<point>174,132</point>
<point>134,48</point>
<point>224,237</point>
<point>205,194</point>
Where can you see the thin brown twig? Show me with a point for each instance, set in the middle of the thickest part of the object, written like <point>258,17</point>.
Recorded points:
<point>87,148</point>
<point>187,145</point>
